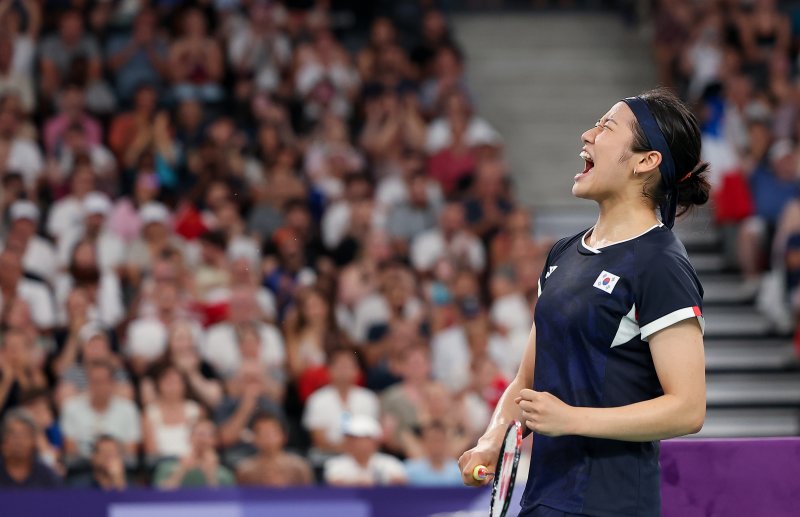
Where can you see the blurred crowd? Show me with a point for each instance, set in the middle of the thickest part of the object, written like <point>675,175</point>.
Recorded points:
<point>251,242</point>
<point>738,63</point>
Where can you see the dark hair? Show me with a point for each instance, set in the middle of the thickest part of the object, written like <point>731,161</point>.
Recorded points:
<point>18,415</point>
<point>268,416</point>
<point>105,437</point>
<point>682,134</point>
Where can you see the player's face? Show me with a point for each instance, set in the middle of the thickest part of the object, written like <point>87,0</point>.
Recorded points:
<point>608,162</point>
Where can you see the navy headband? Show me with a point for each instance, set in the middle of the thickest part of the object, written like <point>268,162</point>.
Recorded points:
<point>658,143</point>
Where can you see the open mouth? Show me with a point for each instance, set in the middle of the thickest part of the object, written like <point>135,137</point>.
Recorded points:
<point>588,163</point>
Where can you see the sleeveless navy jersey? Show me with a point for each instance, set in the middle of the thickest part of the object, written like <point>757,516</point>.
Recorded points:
<point>595,314</point>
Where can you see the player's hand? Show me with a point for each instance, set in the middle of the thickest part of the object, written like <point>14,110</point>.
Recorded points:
<point>545,413</point>
<point>478,455</point>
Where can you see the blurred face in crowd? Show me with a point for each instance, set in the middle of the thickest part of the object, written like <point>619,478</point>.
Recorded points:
<point>786,166</point>
<point>451,220</point>
<point>343,369</point>
<point>434,27</point>
<point>96,349</point>
<point>314,306</point>
<point>147,187</point>
<point>84,255</point>
<point>171,386</point>
<point>518,223</point>
<point>194,24</point>
<point>82,180</point>
<point>418,191</point>
<point>382,32</point>
<point>434,440</point>
<point>489,182</point>
<point>145,99</point>
<point>168,297</point>
<point>417,367</point>
<point>249,343</point>
<point>106,452</point>
<point>73,102</point>
<point>71,27</point>
<point>204,436</point>
<point>101,384</point>
<point>18,441</point>
<point>361,448</point>
<point>15,350</point>
<point>268,436</point>
<point>242,306</point>
<point>18,315</point>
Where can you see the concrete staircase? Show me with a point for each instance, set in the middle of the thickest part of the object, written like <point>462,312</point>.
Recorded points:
<point>542,79</point>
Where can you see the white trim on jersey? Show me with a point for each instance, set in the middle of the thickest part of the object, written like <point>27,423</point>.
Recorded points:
<point>596,250</point>
<point>671,319</point>
<point>628,328</point>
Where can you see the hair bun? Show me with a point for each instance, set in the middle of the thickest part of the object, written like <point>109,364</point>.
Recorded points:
<point>694,189</point>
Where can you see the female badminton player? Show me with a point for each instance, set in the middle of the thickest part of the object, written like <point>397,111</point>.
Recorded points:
<point>614,362</point>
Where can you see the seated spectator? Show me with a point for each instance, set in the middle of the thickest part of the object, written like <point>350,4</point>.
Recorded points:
<point>99,411</point>
<point>38,255</point>
<point>393,189</point>
<point>21,368</point>
<point>249,392</point>
<point>272,466</point>
<point>411,218</point>
<point>70,48</point>
<point>155,238</point>
<point>361,465</point>
<point>220,347</point>
<point>436,467</point>
<point>68,212</point>
<point>196,60</point>
<point>138,58</point>
<point>49,440</point>
<point>200,467</point>
<point>20,44</point>
<point>450,239</point>
<point>168,419</point>
<point>108,471</point>
<point>307,329</point>
<point>76,148</point>
<point>125,219</point>
<point>23,154</point>
<point>19,464</point>
<point>91,225</point>
<point>489,202</point>
<point>329,408</point>
<point>102,286</point>
<point>200,377</point>
<point>72,113</point>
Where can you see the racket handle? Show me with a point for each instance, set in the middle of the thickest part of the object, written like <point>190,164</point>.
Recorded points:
<point>480,472</point>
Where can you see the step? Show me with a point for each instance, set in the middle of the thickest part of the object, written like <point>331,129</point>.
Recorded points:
<point>735,322</point>
<point>753,389</point>
<point>749,355</point>
<point>707,262</point>
<point>727,289</point>
<point>750,422</point>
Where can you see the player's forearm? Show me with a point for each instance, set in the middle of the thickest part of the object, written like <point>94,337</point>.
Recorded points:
<point>664,417</point>
<point>504,413</point>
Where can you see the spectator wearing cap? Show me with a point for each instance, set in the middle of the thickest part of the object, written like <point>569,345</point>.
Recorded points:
<point>19,464</point>
<point>86,345</point>
<point>451,239</point>
<point>361,465</point>
<point>35,293</point>
<point>68,212</point>
<point>200,467</point>
<point>94,211</point>
<point>436,467</point>
<point>102,286</point>
<point>328,408</point>
<point>38,255</point>
<point>156,237</point>
<point>272,465</point>
<point>99,411</point>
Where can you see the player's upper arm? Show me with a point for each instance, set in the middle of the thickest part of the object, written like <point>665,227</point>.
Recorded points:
<point>679,360</point>
<point>525,372</point>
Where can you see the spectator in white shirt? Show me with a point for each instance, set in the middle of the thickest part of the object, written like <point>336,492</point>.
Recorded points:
<point>98,412</point>
<point>39,256</point>
<point>93,211</point>
<point>362,465</point>
<point>450,239</point>
<point>328,408</point>
<point>22,154</point>
<point>36,294</point>
<point>221,345</point>
<point>67,213</point>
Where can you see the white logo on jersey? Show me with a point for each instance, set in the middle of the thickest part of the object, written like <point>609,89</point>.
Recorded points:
<point>550,271</point>
<point>606,281</point>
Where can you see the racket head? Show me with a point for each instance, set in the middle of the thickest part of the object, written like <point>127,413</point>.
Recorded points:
<point>506,470</point>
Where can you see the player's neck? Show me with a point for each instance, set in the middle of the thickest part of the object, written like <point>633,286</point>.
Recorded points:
<point>620,221</point>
